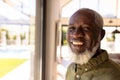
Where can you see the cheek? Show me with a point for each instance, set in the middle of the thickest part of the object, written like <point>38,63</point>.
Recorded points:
<point>91,41</point>
<point>94,41</point>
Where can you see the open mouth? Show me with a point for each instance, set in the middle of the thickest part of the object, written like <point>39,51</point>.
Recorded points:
<point>78,46</point>
<point>78,43</point>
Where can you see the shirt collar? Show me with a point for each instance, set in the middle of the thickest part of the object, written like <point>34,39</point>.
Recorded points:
<point>93,62</point>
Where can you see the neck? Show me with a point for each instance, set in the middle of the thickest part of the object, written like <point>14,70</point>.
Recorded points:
<point>97,53</point>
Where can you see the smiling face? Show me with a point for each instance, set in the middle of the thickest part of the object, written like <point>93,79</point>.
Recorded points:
<point>83,33</point>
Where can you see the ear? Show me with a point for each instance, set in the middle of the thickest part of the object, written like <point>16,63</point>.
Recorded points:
<point>102,33</point>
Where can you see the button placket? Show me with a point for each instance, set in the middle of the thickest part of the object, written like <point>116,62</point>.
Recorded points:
<point>77,77</point>
<point>78,73</point>
<point>86,69</point>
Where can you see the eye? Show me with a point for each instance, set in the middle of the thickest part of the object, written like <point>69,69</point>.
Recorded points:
<point>71,28</point>
<point>86,28</point>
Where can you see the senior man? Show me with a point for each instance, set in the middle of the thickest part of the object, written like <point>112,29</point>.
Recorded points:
<point>89,61</point>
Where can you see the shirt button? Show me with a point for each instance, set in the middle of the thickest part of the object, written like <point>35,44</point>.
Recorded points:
<point>77,76</point>
<point>86,69</point>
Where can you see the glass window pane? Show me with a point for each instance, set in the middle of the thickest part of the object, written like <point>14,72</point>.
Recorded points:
<point>17,38</point>
<point>107,8</point>
<point>92,4</point>
<point>70,8</point>
<point>118,14</point>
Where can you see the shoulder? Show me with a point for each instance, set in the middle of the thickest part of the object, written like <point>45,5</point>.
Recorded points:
<point>70,72</point>
<point>108,70</point>
<point>109,67</point>
<point>71,66</point>
<point>114,65</point>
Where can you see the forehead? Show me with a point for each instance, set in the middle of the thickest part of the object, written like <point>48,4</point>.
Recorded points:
<point>79,17</point>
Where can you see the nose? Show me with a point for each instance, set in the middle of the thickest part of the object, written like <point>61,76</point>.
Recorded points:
<point>78,33</point>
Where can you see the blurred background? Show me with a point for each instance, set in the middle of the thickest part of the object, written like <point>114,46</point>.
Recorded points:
<point>17,36</point>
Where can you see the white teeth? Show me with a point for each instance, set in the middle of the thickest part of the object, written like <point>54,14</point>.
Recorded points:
<point>78,43</point>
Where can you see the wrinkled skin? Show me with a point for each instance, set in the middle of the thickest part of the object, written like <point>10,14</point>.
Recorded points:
<point>83,33</point>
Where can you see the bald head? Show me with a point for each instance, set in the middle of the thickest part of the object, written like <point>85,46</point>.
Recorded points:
<point>95,17</point>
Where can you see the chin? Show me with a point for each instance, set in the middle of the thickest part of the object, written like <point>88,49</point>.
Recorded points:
<point>83,57</point>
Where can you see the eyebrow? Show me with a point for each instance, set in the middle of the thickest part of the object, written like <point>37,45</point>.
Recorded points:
<point>82,25</point>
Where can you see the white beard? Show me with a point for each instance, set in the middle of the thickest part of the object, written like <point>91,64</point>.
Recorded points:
<point>84,57</point>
